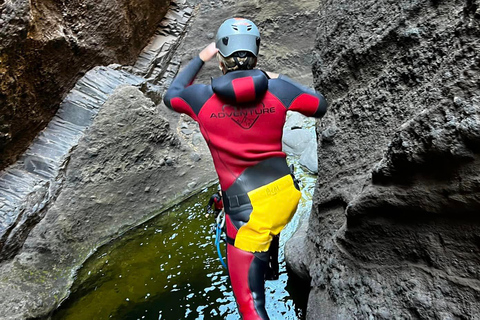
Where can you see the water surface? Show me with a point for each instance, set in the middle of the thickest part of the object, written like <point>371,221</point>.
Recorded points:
<point>168,268</point>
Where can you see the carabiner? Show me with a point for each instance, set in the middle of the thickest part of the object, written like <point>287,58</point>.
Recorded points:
<point>221,219</point>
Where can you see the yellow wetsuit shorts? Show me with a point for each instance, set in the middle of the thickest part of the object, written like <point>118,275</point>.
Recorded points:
<point>273,205</point>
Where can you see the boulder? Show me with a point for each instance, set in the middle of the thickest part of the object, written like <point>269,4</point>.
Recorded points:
<point>46,46</point>
<point>393,232</point>
<point>309,157</point>
<point>115,179</point>
<point>296,141</point>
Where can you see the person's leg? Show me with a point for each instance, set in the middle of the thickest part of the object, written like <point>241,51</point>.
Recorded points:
<point>247,272</point>
<point>253,222</point>
<point>273,267</point>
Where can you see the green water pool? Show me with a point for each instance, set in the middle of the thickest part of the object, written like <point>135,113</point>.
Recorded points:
<point>168,268</point>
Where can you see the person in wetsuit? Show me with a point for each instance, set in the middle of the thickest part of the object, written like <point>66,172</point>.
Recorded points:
<point>241,116</point>
<point>216,201</point>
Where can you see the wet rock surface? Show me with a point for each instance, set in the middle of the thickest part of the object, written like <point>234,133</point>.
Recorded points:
<point>394,227</point>
<point>31,184</point>
<point>46,46</point>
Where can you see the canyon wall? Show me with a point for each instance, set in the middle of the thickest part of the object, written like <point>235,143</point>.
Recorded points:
<point>46,45</point>
<point>394,228</point>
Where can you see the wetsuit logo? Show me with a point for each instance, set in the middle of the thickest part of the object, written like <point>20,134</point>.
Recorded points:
<point>245,117</point>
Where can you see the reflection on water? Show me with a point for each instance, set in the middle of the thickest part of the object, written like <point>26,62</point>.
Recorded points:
<point>168,269</point>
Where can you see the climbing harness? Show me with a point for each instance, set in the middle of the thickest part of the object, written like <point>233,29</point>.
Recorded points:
<point>220,223</point>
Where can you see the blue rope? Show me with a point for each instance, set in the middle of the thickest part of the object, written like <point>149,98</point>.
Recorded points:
<point>217,243</point>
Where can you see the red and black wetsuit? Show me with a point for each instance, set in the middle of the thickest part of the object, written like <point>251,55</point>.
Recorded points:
<point>241,116</point>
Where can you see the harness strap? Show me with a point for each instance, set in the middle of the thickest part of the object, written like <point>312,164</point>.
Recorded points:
<point>238,200</point>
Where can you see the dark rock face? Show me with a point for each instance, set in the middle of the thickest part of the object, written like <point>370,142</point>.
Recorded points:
<point>395,223</point>
<point>46,45</point>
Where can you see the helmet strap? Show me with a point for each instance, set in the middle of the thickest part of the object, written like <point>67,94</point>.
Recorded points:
<point>239,63</point>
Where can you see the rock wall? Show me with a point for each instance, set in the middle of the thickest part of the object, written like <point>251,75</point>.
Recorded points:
<point>394,227</point>
<point>98,169</point>
<point>46,45</point>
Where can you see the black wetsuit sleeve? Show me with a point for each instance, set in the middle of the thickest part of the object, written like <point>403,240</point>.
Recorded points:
<point>184,97</point>
<point>212,199</point>
<point>297,97</point>
<point>182,81</point>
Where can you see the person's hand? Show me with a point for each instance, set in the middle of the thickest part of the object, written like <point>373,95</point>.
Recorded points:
<point>208,53</point>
